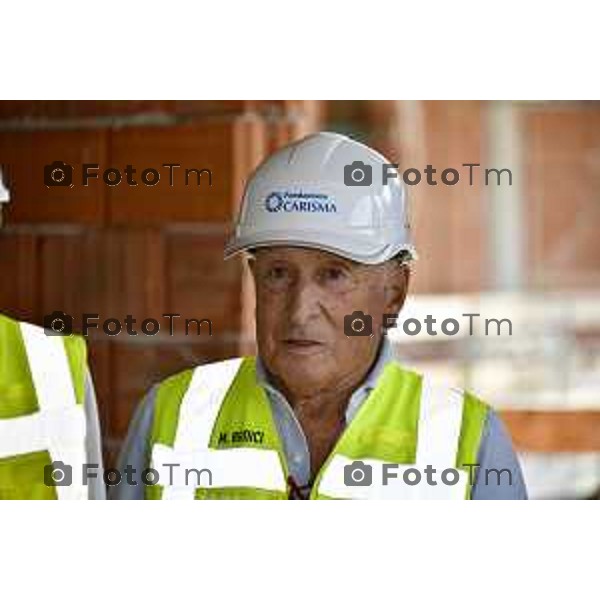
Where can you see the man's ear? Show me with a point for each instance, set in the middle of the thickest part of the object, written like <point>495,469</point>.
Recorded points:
<point>396,287</point>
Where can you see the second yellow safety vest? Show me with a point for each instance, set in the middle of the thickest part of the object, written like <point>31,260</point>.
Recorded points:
<point>42,418</point>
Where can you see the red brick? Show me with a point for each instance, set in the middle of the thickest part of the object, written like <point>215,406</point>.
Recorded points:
<point>554,431</point>
<point>137,279</point>
<point>563,182</point>
<point>24,155</point>
<point>19,284</point>
<point>299,119</point>
<point>63,272</point>
<point>447,219</point>
<point>114,273</point>
<point>76,275</point>
<point>249,149</point>
<point>201,283</point>
<point>101,367</point>
<point>219,146</point>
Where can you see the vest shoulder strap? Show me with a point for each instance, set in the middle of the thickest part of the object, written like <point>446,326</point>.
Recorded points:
<point>188,407</point>
<point>444,432</point>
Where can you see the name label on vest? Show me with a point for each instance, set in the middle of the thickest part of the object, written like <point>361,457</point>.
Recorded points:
<point>241,436</point>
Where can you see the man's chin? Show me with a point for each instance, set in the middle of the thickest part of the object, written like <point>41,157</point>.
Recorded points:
<point>304,370</point>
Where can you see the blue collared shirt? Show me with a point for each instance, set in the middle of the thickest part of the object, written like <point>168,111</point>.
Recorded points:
<point>495,451</point>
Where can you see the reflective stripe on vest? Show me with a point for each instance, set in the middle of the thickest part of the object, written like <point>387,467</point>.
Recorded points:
<point>57,428</point>
<point>440,419</point>
<point>404,420</point>
<point>236,467</point>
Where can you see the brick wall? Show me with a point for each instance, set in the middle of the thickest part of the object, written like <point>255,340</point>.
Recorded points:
<point>138,250</point>
<point>447,220</point>
<point>562,163</point>
<point>560,186</point>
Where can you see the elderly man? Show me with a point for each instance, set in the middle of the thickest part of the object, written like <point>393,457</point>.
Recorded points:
<point>324,411</point>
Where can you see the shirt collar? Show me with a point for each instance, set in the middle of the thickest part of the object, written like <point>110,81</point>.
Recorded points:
<point>386,355</point>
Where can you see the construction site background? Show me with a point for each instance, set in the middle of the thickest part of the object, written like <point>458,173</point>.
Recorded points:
<point>527,252</point>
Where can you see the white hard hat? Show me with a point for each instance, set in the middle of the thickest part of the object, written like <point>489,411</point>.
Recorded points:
<point>325,191</point>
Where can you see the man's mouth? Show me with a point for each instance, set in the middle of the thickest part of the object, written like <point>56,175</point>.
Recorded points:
<point>302,344</point>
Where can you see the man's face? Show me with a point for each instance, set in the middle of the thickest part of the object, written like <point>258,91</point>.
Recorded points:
<point>302,297</point>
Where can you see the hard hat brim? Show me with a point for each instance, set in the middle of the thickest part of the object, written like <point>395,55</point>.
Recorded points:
<point>362,251</point>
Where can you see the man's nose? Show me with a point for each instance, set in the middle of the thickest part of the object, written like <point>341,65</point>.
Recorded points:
<point>303,303</point>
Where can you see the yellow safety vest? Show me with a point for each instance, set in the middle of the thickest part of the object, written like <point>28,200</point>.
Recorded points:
<point>215,423</point>
<point>42,418</point>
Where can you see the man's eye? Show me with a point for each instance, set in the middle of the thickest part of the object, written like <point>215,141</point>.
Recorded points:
<point>277,273</point>
<point>334,274</point>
